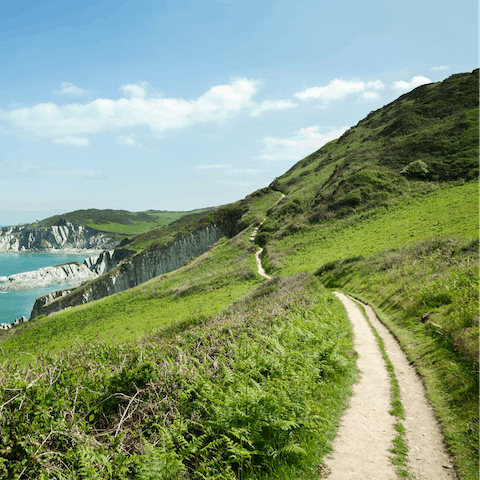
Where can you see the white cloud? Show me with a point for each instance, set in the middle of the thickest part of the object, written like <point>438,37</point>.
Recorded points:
<point>135,90</point>
<point>56,172</point>
<point>376,85</point>
<point>440,68</point>
<point>72,90</point>
<point>370,95</point>
<point>269,105</point>
<point>128,140</point>
<point>71,140</point>
<point>302,143</point>
<point>338,89</point>
<point>215,166</point>
<point>71,124</point>
<point>234,183</point>
<point>31,169</point>
<point>415,82</point>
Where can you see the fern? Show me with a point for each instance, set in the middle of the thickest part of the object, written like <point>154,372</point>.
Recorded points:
<point>161,463</point>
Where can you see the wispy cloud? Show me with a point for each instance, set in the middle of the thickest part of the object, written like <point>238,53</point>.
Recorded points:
<point>11,170</point>
<point>215,166</point>
<point>370,96</point>
<point>244,171</point>
<point>71,140</point>
<point>135,90</point>
<point>300,144</point>
<point>74,123</point>
<point>79,172</point>
<point>440,68</point>
<point>235,183</point>
<point>413,83</point>
<point>128,140</point>
<point>72,90</point>
<point>338,90</point>
<point>269,105</point>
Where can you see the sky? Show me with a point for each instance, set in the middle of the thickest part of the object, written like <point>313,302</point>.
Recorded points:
<point>177,105</point>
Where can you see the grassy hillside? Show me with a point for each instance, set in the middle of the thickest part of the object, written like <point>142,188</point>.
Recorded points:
<point>212,372</point>
<point>118,221</point>
<point>445,211</point>
<point>424,139</point>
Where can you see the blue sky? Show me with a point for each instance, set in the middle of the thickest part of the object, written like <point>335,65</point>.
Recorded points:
<point>177,105</point>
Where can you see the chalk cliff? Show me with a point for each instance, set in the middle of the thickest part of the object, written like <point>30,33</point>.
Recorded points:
<point>62,237</point>
<point>128,272</point>
<point>70,273</point>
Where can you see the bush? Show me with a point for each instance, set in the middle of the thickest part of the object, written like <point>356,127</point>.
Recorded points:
<point>416,169</point>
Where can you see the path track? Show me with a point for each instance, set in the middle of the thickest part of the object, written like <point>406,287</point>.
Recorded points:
<point>258,253</point>
<point>361,448</point>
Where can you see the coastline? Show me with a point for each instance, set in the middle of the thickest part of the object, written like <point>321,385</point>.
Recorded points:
<point>18,301</point>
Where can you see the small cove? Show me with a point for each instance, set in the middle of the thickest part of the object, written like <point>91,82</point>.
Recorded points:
<point>15,304</point>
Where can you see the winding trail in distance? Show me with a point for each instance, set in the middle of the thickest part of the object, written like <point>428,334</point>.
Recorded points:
<point>363,443</point>
<point>258,253</point>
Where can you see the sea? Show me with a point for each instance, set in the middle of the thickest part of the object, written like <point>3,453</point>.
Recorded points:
<point>15,304</point>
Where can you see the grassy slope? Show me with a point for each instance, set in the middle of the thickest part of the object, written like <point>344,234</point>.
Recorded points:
<point>118,221</point>
<point>443,212</point>
<point>350,199</point>
<point>202,288</point>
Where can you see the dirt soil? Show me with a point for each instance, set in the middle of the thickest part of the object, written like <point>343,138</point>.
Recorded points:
<point>362,446</point>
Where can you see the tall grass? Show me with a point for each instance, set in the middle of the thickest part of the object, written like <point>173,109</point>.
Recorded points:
<point>249,393</point>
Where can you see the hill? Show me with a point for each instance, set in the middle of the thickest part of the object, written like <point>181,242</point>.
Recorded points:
<point>117,221</point>
<point>210,371</point>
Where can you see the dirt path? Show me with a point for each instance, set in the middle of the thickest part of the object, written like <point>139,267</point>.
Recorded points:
<point>361,449</point>
<point>258,253</point>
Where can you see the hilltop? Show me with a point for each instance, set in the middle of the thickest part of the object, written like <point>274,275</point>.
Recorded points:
<point>118,221</point>
<point>211,371</point>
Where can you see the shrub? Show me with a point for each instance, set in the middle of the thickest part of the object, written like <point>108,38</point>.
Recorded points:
<point>416,169</point>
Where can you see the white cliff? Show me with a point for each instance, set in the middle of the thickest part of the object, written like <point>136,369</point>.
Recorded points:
<point>64,237</point>
<point>70,273</point>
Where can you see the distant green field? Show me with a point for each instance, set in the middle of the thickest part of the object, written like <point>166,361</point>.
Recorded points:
<point>445,212</point>
<point>118,221</point>
<point>163,218</point>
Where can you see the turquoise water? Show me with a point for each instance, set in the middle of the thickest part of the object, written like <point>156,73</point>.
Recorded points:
<point>15,304</point>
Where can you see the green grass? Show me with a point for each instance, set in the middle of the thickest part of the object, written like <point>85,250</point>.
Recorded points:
<point>447,211</point>
<point>157,220</point>
<point>203,287</point>
<point>254,392</point>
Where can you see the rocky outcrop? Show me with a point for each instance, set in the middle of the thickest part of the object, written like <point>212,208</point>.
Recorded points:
<point>107,260</point>
<point>64,237</point>
<point>133,271</point>
<point>71,273</point>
